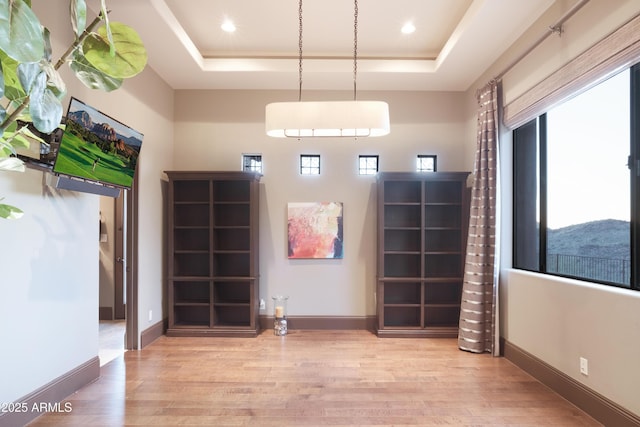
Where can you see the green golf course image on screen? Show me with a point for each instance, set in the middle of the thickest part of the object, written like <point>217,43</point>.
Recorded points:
<point>97,147</point>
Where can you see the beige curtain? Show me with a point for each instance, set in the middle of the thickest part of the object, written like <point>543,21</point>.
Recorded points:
<point>478,311</point>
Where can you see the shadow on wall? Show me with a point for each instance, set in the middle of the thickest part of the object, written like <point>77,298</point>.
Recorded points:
<point>60,244</point>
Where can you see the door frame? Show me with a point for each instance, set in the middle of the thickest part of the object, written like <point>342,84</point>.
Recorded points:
<point>119,263</point>
<point>131,307</point>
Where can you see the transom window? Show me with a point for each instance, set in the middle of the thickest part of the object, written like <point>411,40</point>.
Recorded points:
<point>426,163</point>
<point>367,164</point>
<point>309,164</point>
<point>252,163</point>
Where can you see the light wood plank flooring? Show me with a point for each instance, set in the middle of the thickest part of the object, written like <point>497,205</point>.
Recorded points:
<point>313,378</point>
<point>111,340</point>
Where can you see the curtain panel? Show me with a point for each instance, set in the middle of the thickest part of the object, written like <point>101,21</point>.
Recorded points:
<point>478,311</point>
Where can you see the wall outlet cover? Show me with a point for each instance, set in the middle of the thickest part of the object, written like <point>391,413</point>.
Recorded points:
<point>584,366</point>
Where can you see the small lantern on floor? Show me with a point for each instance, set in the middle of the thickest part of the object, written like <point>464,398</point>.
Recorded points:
<point>280,315</point>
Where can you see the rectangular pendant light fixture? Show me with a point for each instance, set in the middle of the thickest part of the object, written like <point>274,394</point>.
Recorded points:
<point>306,119</point>
<point>327,119</point>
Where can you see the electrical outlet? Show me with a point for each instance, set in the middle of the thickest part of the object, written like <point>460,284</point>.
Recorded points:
<point>263,305</point>
<point>150,315</point>
<point>584,366</point>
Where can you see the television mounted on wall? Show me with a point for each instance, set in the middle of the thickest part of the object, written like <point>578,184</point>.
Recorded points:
<point>96,147</point>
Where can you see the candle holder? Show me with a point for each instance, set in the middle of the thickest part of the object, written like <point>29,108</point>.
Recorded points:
<point>280,315</point>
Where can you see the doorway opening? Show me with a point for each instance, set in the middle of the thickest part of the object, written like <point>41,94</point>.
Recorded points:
<point>117,310</point>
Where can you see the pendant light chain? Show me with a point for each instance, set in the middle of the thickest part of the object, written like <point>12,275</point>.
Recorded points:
<point>300,50</point>
<point>355,49</point>
<point>355,46</point>
<point>327,119</point>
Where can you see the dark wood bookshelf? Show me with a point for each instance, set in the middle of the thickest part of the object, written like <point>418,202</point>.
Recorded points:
<point>213,253</point>
<point>422,226</point>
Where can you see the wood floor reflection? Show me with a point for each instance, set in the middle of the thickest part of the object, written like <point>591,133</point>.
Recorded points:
<point>313,378</point>
<point>111,340</point>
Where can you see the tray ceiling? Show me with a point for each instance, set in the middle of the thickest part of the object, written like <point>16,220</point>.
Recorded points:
<point>454,42</point>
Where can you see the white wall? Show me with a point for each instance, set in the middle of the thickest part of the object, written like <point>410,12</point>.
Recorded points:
<point>49,258</point>
<point>149,108</point>
<point>49,284</point>
<point>214,128</point>
<point>559,320</point>
<point>107,253</point>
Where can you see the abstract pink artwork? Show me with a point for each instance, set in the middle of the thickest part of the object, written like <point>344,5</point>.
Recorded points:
<point>315,230</point>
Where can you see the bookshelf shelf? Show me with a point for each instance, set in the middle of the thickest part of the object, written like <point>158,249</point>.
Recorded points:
<point>422,223</point>
<point>213,254</point>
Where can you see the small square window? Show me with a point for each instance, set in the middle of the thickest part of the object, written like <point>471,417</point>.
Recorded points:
<point>368,165</point>
<point>252,163</point>
<point>426,163</point>
<point>309,164</point>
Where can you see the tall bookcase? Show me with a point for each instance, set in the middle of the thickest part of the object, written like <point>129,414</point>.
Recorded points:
<point>422,224</point>
<point>213,254</point>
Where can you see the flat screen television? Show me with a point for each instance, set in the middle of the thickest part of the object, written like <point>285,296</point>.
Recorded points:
<point>97,147</point>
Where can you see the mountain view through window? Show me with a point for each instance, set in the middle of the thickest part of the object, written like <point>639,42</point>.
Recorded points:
<point>588,184</point>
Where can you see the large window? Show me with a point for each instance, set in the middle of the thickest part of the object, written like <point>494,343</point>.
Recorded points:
<point>574,194</point>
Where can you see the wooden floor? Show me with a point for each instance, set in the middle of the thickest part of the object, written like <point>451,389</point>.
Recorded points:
<point>313,378</point>
<point>111,340</point>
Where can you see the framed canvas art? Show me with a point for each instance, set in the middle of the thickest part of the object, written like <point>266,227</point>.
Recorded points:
<point>315,229</point>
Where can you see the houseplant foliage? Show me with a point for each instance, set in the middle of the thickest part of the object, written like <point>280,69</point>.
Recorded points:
<point>101,56</point>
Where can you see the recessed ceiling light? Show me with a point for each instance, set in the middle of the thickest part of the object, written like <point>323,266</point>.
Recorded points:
<point>228,26</point>
<point>408,28</point>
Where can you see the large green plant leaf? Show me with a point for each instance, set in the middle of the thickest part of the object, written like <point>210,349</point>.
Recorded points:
<point>20,31</point>
<point>10,212</point>
<point>12,88</point>
<point>14,137</point>
<point>54,80</point>
<point>90,76</point>
<point>130,55</point>
<point>6,149</point>
<point>27,74</point>
<point>11,164</point>
<point>45,108</point>
<point>78,12</point>
<point>13,141</point>
<point>1,81</point>
<point>46,38</point>
<point>3,111</point>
